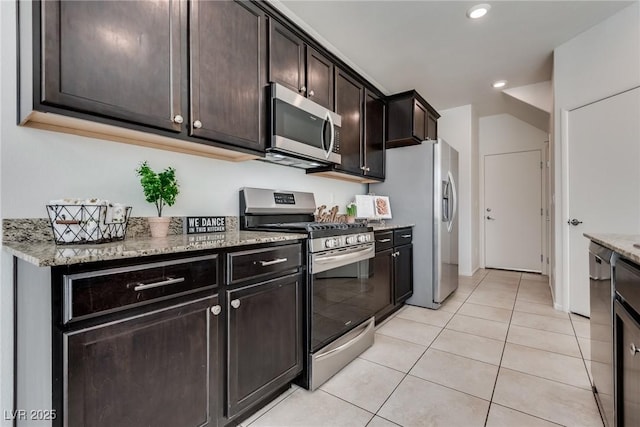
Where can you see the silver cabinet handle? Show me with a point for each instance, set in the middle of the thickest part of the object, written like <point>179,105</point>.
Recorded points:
<point>633,349</point>
<point>303,89</point>
<point>311,93</point>
<point>365,168</point>
<point>235,303</point>
<point>406,236</point>
<point>395,254</point>
<point>197,124</point>
<point>384,240</point>
<point>574,222</point>
<point>275,261</point>
<point>216,309</point>
<point>178,119</point>
<point>490,218</point>
<point>169,281</point>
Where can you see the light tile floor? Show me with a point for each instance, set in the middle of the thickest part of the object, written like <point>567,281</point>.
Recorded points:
<point>496,354</point>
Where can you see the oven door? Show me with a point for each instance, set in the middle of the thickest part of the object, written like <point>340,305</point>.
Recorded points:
<point>343,292</point>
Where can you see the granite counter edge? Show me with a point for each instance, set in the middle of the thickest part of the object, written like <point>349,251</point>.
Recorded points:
<point>619,243</point>
<point>44,254</point>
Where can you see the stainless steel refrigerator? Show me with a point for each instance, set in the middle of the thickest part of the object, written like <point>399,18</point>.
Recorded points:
<point>421,182</point>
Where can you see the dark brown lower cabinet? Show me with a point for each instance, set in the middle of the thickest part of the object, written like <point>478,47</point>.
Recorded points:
<point>403,273</point>
<point>393,268</point>
<point>264,340</point>
<point>155,369</point>
<point>382,279</point>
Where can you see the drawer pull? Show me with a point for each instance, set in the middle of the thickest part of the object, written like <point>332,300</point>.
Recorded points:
<point>272,262</point>
<point>169,281</point>
<point>633,349</point>
<point>384,240</point>
<point>216,309</point>
<point>405,236</point>
<point>235,303</point>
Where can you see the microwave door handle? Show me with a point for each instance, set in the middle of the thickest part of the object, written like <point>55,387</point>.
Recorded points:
<point>328,119</point>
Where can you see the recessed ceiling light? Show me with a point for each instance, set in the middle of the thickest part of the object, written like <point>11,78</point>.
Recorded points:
<point>478,11</point>
<point>499,84</point>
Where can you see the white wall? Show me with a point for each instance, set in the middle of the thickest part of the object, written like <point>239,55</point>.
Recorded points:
<point>502,134</point>
<point>458,126</point>
<point>37,166</point>
<point>601,62</point>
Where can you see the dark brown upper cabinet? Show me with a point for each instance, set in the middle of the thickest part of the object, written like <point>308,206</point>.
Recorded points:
<point>373,145</point>
<point>299,67</point>
<point>410,120</point>
<point>349,104</point>
<point>286,58</point>
<point>319,78</point>
<point>116,59</point>
<point>362,133</point>
<point>228,73</point>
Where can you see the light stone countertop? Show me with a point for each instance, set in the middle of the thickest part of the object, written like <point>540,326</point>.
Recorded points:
<point>48,254</point>
<point>389,226</point>
<point>620,243</point>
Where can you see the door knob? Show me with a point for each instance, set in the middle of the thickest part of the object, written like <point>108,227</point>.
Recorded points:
<point>216,309</point>
<point>490,218</point>
<point>488,209</point>
<point>235,303</point>
<point>178,119</point>
<point>574,222</point>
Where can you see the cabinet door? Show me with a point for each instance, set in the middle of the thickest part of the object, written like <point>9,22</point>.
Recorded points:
<point>382,282</point>
<point>319,78</point>
<point>432,127</point>
<point>264,336</point>
<point>228,73</point>
<point>349,95</point>
<point>374,136</point>
<point>403,273</point>
<point>419,121</point>
<point>118,59</point>
<point>286,58</point>
<point>159,369</point>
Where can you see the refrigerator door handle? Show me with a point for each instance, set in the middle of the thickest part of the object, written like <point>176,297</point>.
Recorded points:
<point>455,202</point>
<point>445,201</point>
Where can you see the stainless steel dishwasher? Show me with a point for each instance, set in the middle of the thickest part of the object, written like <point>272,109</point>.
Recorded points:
<point>601,325</point>
<point>626,338</point>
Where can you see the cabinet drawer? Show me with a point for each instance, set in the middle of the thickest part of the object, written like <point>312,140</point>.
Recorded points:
<point>402,237</point>
<point>384,240</point>
<point>255,263</point>
<point>99,292</point>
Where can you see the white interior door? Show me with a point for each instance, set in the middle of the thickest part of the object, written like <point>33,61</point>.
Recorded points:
<point>603,186</point>
<point>512,216</point>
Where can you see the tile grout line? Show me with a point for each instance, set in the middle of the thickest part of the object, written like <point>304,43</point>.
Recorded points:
<point>504,346</point>
<point>423,353</point>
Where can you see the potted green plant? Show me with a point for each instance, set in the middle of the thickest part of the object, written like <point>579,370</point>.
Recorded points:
<point>351,212</point>
<point>160,189</point>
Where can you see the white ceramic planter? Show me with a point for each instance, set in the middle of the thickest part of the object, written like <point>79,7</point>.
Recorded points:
<point>159,225</point>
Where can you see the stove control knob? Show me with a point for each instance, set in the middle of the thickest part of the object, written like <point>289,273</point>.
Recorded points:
<point>362,238</point>
<point>329,243</point>
<point>351,240</point>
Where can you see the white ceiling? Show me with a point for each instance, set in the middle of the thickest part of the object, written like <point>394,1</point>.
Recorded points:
<point>431,46</point>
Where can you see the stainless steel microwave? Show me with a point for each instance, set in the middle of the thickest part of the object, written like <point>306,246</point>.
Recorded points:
<point>303,133</point>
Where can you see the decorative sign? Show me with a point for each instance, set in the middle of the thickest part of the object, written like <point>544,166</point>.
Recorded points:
<point>204,224</point>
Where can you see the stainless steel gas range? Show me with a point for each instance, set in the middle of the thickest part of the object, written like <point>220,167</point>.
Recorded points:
<point>339,299</point>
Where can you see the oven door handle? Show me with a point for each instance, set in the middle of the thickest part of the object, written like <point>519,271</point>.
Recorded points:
<point>357,254</point>
<point>324,263</point>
